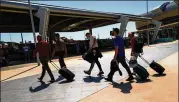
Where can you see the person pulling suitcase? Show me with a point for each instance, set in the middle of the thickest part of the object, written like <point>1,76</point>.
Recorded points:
<point>136,45</point>
<point>136,49</point>
<point>43,49</point>
<point>60,50</point>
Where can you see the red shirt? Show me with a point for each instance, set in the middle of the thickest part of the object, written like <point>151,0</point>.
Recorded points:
<point>133,41</point>
<point>43,48</point>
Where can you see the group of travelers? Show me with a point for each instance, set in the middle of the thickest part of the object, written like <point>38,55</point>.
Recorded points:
<point>28,51</point>
<point>12,52</point>
<point>8,52</point>
<point>43,48</point>
<point>4,51</point>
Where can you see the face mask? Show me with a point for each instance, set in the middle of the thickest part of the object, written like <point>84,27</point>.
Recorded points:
<point>88,38</point>
<point>113,37</point>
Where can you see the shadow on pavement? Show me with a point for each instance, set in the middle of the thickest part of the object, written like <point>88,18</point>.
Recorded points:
<point>65,81</point>
<point>42,86</point>
<point>59,78</point>
<point>159,75</point>
<point>19,73</point>
<point>89,79</point>
<point>143,81</point>
<point>125,87</point>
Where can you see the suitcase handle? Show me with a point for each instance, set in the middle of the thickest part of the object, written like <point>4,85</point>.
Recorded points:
<point>53,64</point>
<point>127,60</point>
<point>144,60</point>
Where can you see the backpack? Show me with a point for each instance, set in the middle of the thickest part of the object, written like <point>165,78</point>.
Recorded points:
<point>138,46</point>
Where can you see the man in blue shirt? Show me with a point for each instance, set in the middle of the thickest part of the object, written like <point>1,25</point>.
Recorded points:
<point>119,55</point>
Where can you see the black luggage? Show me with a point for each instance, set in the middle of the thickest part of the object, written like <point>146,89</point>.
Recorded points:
<point>155,66</point>
<point>115,65</point>
<point>132,61</point>
<point>139,47</point>
<point>66,73</point>
<point>88,56</point>
<point>140,71</point>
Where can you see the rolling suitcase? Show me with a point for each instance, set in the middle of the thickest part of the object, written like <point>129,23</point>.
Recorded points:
<point>140,71</point>
<point>155,66</point>
<point>66,73</point>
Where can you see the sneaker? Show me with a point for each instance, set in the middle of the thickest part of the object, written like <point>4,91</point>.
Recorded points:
<point>108,79</point>
<point>39,79</point>
<point>130,78</point>
<point>87,72</point>
<point>64,67</point>
<point>100,73</point>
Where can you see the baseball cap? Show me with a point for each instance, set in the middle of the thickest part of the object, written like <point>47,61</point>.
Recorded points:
<point>116,30</point>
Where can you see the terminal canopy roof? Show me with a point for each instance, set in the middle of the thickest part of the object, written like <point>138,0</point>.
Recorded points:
<point>15,17</point>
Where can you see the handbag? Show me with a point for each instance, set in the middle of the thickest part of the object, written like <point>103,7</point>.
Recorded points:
<point>132,61</point>
<point>115,65</point>
<point>88,56</point>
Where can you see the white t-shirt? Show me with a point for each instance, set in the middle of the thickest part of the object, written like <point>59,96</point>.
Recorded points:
<point>92,41</point>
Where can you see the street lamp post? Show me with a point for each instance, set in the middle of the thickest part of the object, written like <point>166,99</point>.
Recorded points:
<point>10,37</point>
<point>33,29</point>
<point>147,24</point>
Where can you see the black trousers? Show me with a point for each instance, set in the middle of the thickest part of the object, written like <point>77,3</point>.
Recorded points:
<point>45,67</point>
<point>124,64</point>
<point>27,56</point>
<point>60,55</point>
<point>95,60</point>
<point>61,61</point>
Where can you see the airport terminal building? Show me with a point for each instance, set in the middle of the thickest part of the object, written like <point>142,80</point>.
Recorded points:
<point>168,14</point>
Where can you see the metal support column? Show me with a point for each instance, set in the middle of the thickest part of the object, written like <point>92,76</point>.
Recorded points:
<point>43,14</point>
<point>33,29</point>
<point>148,37</point>
<point>124,21</point>
<point>90,31</point>
<point>22,38</point>
<point>156,29</point>
<point>0,36</point>
<point>168,32</point>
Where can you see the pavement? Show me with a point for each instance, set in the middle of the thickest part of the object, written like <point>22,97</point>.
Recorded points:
<point>20,85</point>
<point>158,89</point>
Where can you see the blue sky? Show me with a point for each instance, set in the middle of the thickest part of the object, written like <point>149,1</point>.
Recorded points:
<point>128,7</point>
